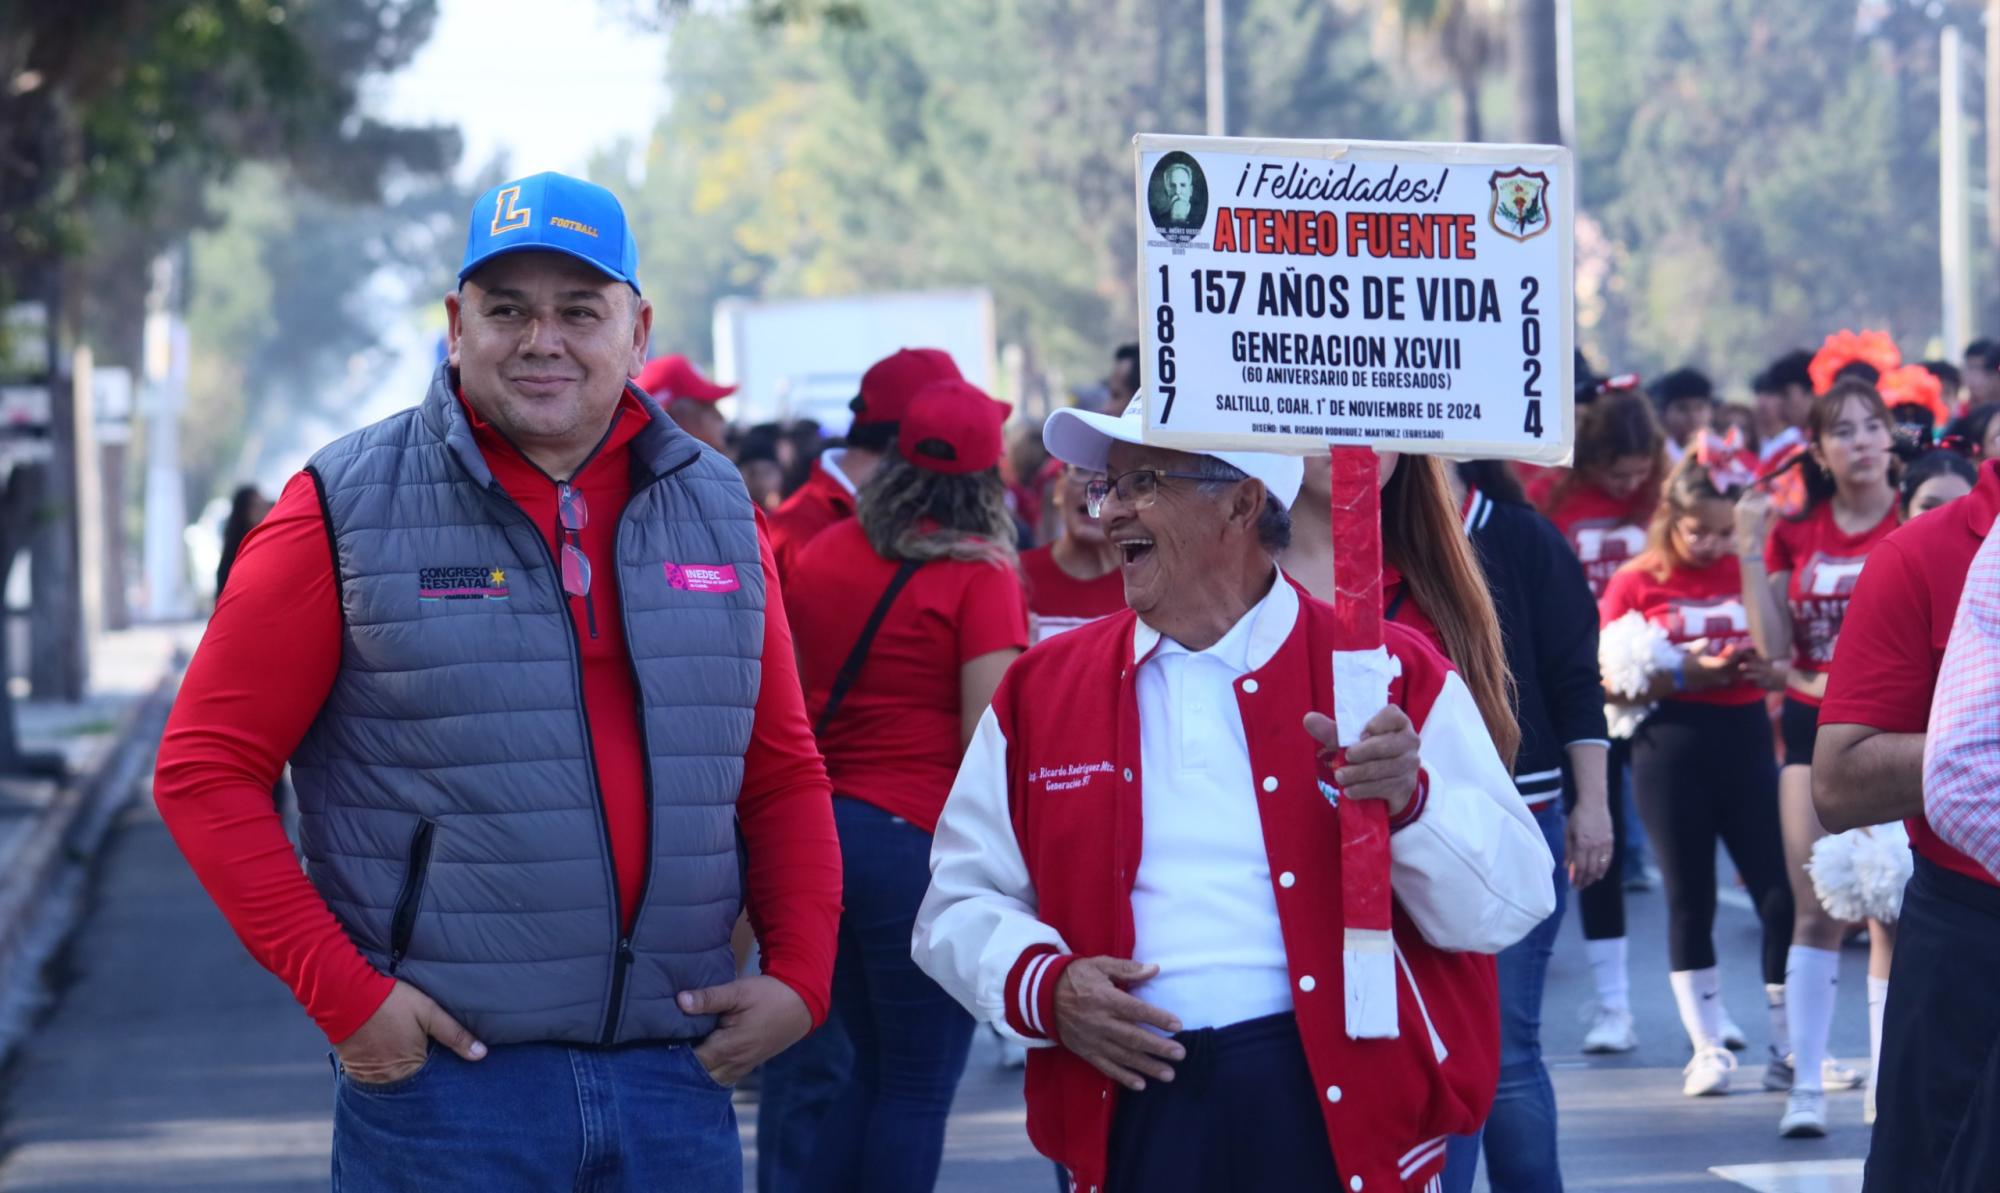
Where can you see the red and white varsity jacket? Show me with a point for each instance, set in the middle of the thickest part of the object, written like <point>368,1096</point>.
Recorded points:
<point>1036,852</point>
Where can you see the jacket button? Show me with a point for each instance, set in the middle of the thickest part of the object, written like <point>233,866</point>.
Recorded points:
<point>1287,879</point>
<point>1306,983</point>
<point>1333,1093</point>
<point>1354,1183</point>
<point>1128,774</point>
<point>1270,782</point>
<point>1250,686</point>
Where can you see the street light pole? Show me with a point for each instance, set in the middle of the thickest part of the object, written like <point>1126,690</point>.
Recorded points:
<point>1954,243</point>
<point>1215,42</point>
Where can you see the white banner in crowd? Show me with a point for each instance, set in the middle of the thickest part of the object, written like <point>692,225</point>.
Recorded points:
<point>1402,296</point>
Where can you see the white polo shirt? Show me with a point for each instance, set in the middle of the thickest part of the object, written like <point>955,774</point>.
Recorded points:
<point>1202,904</point>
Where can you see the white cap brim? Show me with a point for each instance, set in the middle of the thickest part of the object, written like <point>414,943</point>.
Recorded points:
<point>1083,439</point>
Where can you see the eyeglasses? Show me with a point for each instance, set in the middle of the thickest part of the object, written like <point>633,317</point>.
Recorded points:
<point>1139,488</point>
<point>574,515</point>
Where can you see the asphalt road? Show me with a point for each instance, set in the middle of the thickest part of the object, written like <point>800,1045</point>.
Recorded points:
<point>172,1062</point>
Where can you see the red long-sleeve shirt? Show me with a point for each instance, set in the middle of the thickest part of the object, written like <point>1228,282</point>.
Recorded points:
<point>269,661</point>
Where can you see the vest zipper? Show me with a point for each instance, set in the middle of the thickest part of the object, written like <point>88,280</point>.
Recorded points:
<point>403,921</point>
<point>624,962</point>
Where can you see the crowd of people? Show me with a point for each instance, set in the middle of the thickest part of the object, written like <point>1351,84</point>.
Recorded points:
<point>965,721</point>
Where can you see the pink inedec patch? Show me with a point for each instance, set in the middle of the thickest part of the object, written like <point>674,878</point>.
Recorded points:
<point>702,577</point>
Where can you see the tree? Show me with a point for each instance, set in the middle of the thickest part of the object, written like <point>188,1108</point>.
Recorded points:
<point>962,142</point>
<point>1457,42</point>
<point>119,115</point>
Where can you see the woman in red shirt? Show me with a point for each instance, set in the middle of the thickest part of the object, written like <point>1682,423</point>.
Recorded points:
<point>1798,573</point>
<point>928,565</point>
<point>1602,507</point>
<point>1703,765</point>
<point>1073,580</point>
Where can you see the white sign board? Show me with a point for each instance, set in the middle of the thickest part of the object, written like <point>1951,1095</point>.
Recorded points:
<point>1407,297</point>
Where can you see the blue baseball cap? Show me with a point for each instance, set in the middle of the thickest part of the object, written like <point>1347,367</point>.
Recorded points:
<point>553,213</point>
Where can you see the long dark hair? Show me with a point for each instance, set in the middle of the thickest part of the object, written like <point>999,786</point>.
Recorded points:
<point>1615,426</point>
<point>247,507</point>
<point>1928,466</point>
<point>913,514</point>
<point>1495,478</point>
<point>1423,539</point>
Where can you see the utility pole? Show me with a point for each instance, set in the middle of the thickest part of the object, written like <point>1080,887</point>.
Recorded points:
<point>1216,43</point>
<point>165,395</point>
<point>1954,208</point>
<point>1992,134</point>
<point>1537,73</point>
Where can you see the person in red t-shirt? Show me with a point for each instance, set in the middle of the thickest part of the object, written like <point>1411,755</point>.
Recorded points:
<point>1074,580</point>
<point>917,610</point>
<point>839,472</point>
<point>1703,766</point>
<point>1602,508</point>
<point>1796,590</point>
<point>1938,1024</point>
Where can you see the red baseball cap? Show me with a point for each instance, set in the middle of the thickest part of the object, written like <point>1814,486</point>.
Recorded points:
<point>670,377</point>
<point>952,427</point>
<point>892,382</point>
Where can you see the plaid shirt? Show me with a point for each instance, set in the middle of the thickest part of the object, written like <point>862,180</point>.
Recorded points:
<point>1962,753</point>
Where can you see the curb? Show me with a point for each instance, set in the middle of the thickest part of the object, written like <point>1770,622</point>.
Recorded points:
<point>46,873</point>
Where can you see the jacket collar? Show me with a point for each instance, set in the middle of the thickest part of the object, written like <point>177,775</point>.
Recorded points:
<point>1271,621</point>
<point>660,448</point>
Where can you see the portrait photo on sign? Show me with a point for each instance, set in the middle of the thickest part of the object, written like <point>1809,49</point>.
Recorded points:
<point>1177,196</point>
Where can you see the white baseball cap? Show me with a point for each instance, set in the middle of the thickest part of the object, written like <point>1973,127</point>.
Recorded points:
<point>1083,439</point>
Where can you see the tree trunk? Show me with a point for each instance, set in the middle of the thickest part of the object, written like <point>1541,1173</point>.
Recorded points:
<point>1531,51</point>
<point>1470,128</point>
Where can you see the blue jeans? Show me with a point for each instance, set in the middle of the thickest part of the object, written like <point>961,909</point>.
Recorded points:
<point>1520,1133</point>
<point>884,1132</point>
<point>540,1117</point>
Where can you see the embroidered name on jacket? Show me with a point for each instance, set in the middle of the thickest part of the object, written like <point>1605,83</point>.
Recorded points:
<point>1068,778</point>
<point>462,584</point>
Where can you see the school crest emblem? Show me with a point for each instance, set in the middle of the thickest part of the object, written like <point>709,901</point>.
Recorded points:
<point>1520,203</point>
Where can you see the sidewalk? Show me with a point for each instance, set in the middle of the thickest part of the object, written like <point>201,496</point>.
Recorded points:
<point>49,830</point>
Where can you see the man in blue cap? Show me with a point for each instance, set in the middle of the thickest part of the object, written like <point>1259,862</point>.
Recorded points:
<point>542,757</point>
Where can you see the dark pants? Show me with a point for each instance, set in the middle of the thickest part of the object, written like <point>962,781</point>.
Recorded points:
<point>1708,772</point>
<point>1937,1095</point>
<point>1601,905</point>
<point>645,1118</point>
<point>884,1131</point>
<point>1241,1113</point>
<point>797,1087</point>
<point>1520,1132</point>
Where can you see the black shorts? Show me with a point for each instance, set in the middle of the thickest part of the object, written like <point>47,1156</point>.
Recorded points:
<point>1798,725</point>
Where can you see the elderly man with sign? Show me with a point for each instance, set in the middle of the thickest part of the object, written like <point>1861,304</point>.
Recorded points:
<point>1237,975</point>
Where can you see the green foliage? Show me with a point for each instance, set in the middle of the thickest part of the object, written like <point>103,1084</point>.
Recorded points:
<point>961,142</point>
<point>1765,172</point>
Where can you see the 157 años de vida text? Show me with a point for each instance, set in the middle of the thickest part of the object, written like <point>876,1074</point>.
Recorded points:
<point>1351,360</point>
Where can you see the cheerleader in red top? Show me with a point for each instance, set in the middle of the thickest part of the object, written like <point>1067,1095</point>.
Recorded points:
<point>1074,580</point>
<point>1797,575</point>
<point>1703,764</point>
<point>1602,507</point>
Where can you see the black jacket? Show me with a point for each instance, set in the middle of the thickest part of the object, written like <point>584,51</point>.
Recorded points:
<point>1548,623</point>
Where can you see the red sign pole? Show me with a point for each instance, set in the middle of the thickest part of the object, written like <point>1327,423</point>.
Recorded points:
<point>1361,671</point>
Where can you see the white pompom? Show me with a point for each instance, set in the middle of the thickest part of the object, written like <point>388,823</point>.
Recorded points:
<point>1860,874</point>
<point>1834,878</point>
<point>1630,651</point>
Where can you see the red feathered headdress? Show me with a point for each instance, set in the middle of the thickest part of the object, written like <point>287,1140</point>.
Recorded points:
<point>1844,347</point>
<point>1915,385</point>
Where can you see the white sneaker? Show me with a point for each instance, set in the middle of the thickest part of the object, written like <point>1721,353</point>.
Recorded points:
<point>1836,1076</point>
<point>1732,1035</point>
<point>1610,1030</point>
<point>1708,1073</point>
<point>1013,1053</point>
<point>1805,1115</point>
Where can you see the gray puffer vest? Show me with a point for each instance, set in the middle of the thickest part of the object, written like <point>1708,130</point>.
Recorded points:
<point>450,809</point>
